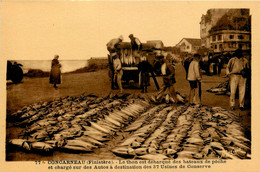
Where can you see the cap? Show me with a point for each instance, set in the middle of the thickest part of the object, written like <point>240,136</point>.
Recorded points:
<point>238,52</point>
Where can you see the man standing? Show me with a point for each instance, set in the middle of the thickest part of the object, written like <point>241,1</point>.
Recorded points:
<point>168,79</point>
<point>194,78</point>
<point>135,44</point>
<point>234,70</point>
<point>113,50</point>
<point>145,68</point>
<point>118,72</point>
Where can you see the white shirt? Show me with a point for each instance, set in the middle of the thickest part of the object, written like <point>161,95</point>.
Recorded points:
<point>194,71</point>
<point>235,65</point>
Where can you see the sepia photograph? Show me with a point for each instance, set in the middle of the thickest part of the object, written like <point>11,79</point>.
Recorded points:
<point>115,84</point>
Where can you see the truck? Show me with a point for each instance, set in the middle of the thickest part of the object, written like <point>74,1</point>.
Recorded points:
<point>130,63</point>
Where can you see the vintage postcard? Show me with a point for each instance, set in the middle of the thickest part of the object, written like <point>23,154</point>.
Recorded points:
<point>127,85</point>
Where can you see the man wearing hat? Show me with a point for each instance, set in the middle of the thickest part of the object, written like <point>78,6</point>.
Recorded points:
<point>234,70</point>
<point>135,44</point>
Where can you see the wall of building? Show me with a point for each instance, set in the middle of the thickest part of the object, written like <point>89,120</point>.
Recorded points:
<point>230,40</point>
<point>207,22</point>
<point>185,46</point>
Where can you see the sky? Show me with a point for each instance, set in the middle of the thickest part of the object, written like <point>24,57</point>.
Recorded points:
<point>80,30</point>
<point>37,30</point>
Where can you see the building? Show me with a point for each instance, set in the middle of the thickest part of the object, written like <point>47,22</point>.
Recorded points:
<point>226,29</point>
<point>207,22</point>
<point>189,45</point>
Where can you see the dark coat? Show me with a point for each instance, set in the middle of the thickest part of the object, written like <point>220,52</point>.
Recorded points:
<point>55,72</point>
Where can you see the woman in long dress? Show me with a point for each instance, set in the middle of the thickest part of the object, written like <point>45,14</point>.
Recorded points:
<point>55,77</point>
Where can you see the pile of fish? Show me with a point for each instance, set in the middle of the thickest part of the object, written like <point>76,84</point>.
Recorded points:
<point>136,128</point>
<point>74,123</point>
<point>221,89</point>
<point>126,57</point>
<point>167,98</point>
<point>192,132</point>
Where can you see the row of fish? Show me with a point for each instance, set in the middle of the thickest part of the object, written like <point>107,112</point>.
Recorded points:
<point>83,128</point>
<point>126,57</point>
<point>193,132</point>
<point>150,131</point>
<point>167,98</point>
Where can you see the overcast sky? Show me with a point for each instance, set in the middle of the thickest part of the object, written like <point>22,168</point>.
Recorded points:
<point>80,30</point>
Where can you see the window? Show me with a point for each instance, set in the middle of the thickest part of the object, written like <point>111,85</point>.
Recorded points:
<point>231,36</point>
<point>240,46</point>
<point>215,46</point>
<point>214,38</point>
<point>219,37</point>
<point>188,47</point>
<point>240,37</point>
<point>220,46</point>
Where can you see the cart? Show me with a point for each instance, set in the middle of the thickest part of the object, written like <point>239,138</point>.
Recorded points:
<point>130,63</point>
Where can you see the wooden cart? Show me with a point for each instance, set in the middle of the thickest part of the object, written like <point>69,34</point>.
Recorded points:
<point>130,63</point>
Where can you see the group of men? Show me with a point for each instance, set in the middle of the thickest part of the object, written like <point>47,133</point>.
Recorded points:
<point>237,70</point>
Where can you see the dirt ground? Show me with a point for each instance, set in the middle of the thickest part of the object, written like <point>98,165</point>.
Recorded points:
<point>33,90</point>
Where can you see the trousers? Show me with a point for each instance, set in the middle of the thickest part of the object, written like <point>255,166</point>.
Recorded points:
<point>240,82</point>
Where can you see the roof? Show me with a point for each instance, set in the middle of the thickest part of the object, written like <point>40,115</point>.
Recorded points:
<point>192,41</point>
<point>234,20</point>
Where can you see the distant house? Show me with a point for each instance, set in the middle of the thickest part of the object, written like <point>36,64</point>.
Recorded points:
<point>189,45</point>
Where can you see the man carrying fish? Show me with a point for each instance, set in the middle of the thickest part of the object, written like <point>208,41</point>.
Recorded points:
<point>168,79</point>
<point>111,45</point>
<point>113,50</point>
<point>194,78</point>
<point>235,68</point>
